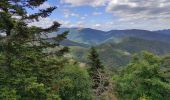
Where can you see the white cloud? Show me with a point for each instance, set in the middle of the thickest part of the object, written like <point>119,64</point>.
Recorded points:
<point>97,13</point>
<point>98,25</point>
<point>130,14</point>
<point>46,22</point>
<point>152,24</point>
<point>67,13</point>
<point>128,8</point>
<point>82,18</point>
<point>43,22</point>
<point>144,14</point>
<point>45,5</point>
<point>144,8</point>
<point>93,3</point>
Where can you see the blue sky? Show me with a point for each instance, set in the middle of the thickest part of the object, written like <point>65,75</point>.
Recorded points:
<point>110,14</point>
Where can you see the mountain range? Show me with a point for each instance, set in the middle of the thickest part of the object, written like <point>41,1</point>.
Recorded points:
<point>115,47</point>
<point>164,31</point>
<point>95,37</point>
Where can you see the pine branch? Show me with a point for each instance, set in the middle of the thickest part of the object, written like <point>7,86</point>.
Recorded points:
<point>35,3</point>
<point>52,28</point>
<point>42,13</point>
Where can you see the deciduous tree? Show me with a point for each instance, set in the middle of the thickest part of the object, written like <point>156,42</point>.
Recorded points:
<point>142,79</point>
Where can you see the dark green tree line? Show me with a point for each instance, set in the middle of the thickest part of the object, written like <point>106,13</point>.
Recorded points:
<point>28,69</point>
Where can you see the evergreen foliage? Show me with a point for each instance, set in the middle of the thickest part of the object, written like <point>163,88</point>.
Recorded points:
<point>97,73</point>
<point>142,79</point>
<point>94,60</point>
<point>28,69</point>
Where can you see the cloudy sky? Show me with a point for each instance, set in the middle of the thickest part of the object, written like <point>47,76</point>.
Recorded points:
<point>110,14</point>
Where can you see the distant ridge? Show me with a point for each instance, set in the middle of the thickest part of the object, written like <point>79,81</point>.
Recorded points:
<point>119,54</point>
<point>167,31</point>
<point>95,37</point>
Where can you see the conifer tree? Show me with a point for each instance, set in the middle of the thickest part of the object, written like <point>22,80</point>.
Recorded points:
<point>94,60</point>
<point>28,66</point>
<point>96,72</point>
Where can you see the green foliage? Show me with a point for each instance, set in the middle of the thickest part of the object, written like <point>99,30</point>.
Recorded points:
<point>8,94</point>
<point>142,79</point>
<point>28,68</point>
<point>94,60</point>
<point>97,73</point>
<point>165,67</point>
<point>75,83</point>
<point>79,53</point>
<point>95,67</point>
<point>33,67</point>
<point>116,55</point>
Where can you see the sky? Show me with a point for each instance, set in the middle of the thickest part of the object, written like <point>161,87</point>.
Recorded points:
<point>109,14</point>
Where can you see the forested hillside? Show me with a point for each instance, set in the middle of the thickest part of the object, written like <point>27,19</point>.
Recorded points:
<point>119,54</point>
<point>53,63</point>
<point>95,37</point>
